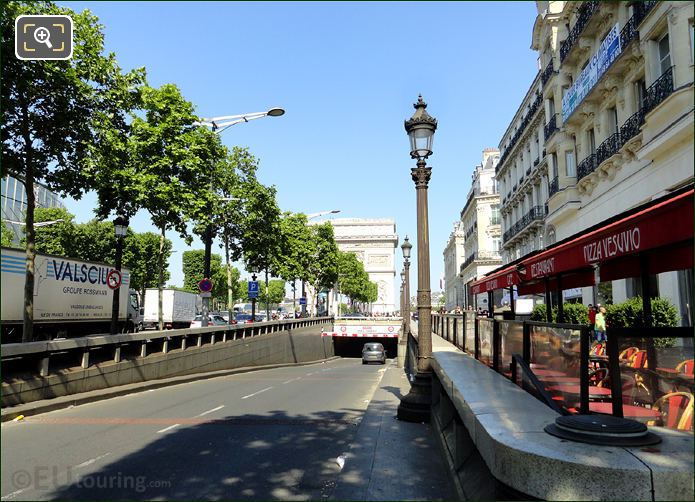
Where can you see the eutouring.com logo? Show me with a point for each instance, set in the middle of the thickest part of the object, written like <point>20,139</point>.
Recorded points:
<point>51,477</point>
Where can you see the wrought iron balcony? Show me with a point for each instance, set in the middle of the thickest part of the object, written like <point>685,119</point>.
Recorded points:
<point>585,11</point>
<point>642,9</point>
<point>608,148</point>
<point>547,72</point>
<point>537,213</point>
<point>468,261</point>
<point>528,170</point>
<point>628,33</point>
<point>631,127</point>
<point>550,127</point>
<point>586,166</point>
<point>536,162</point>
<point>554,186</point>
<point>661,89</point>
<point>520,131</point>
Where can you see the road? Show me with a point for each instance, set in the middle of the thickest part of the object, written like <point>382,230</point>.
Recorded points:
<point>271,434</point>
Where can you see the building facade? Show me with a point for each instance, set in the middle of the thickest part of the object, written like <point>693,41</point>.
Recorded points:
<point>614,97</point>
<point>374,242</point>
<point>14,203</point>
<point>454,255</point>
<point>481,222</point>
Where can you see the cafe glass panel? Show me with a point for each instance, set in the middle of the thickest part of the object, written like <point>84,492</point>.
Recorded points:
<point>555,360</point>
<point>511,342</point>
<point>485,329</point>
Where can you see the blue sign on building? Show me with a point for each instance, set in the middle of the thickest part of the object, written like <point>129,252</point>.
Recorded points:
<point>598,64</point>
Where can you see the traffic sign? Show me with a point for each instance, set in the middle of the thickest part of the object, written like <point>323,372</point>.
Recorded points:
<point>205,285</point>
<point>253,289</point>
<point>113,279</point>
<point>302,300</point>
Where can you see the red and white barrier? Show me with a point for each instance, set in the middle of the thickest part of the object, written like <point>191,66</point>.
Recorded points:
<point>362,335</point>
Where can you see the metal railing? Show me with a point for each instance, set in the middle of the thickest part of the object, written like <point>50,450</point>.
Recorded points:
<point>586,166</point>
<point>551,127</point>
<point>553,186</point>
<point>547,73</point>
<point>608,148</point>
<point>146,342</point>
<point>520,131</point>
<point>661,89</point>
<point>585,12</point>
<point>642,9</point>
<point>631,127</point>
<point>628,33</point>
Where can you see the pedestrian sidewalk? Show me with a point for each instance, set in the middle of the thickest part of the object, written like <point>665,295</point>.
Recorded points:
<point>390,459</point>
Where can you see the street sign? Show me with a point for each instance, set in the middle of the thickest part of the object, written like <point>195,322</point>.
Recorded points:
<point>302,300</point>
<point>206,294</point>
<point>205,285</point>
<point>113,279</point>
<point>253,289</point>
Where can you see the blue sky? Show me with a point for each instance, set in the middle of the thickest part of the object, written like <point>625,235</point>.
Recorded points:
<point>347,75</point>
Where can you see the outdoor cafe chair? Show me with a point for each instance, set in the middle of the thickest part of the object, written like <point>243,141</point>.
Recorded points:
<point>639,359</point>
<point>685,367</point>
<point>599,377</point>
<point>628,353</point>
<point>598,349</point>
<point>676,410</point>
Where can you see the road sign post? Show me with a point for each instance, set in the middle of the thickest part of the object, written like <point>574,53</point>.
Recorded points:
<point>205,287</point>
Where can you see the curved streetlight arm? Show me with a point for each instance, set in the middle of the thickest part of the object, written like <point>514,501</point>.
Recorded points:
<point>322,213</point>
<point>37,224</point>
<point>219,124</point>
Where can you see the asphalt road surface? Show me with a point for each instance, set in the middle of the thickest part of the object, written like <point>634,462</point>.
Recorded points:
<point>271,434</point>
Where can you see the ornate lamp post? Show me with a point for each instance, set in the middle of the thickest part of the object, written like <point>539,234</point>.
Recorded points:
<point>415,406</point>
<point>403,341</point>
<point>120,225</point>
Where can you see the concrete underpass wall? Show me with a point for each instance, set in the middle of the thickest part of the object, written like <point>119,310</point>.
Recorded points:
<point>298,346</point>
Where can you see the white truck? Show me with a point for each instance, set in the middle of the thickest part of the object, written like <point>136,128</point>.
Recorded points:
<point>71,297</point>
<point>178,308</point>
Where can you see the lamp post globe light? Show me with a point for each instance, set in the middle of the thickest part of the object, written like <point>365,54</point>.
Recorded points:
<point>405,331</point>
<point>218,126</point>
<point>415,406</point>
<point>120,225</point>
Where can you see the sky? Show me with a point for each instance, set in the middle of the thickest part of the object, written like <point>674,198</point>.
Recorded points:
<point>347,75</point>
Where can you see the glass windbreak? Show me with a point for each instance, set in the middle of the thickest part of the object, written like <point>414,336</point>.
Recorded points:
<point>555,360</point>
<point>511,342</point>
<point>470,333</point>
<point>485,329</point>
<point>459,332</point>
<point>656,378</point>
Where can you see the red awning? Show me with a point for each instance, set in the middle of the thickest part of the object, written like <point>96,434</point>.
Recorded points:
<point>666,223</point>
<point>504,278</point>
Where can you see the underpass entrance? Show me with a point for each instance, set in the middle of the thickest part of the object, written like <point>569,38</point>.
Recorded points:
<point>347,346</point>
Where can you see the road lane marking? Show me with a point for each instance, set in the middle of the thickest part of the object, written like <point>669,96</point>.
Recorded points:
<point>91,461</point>
<point>256,393</point>
<point>291,380</point>
<point>168,428</point>
<point>210,411</point>
<point>13,494</point>
<point>309,374</point>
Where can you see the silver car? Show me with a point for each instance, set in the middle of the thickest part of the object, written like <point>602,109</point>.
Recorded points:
<point>373,352</point>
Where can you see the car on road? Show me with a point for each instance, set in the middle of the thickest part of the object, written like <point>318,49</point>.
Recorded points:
<point>243,318</point>
<point>373,352</point>
<point>213,320</point>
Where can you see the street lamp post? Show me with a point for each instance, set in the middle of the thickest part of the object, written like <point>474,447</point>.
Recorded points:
<point>403,341</point>
<point>253,300</point>
<point>120,225</point>
<point>415,406</point>
<point>219,125</point>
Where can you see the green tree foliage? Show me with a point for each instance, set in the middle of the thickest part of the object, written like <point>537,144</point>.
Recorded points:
<point>6,234</point>
<point>275,292</point>
<point>295,247</point>
<point>323,267</point>
<point>138,251</point>
<point>260,227</point>
<point>629,313</point>
<point>59,238</point>
<point>49,111</point>
<point>193,268</point>
<point>353,281</point>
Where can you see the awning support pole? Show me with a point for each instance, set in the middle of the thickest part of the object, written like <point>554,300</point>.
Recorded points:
<point>560,311</point>
<point>548,306</point>
<point>646,293</point>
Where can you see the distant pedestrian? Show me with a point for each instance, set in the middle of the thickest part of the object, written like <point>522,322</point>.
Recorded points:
<point>592,317</point>
<point>600,325</point>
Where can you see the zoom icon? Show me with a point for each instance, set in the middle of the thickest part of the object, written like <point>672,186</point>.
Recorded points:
<point>43,37</point>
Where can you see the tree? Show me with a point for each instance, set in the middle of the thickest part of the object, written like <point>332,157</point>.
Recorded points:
<point>295,250</point>
<point>351,275</point>
<point>260,229</point>
<point>273,293</point>
<point>193,268</point>
<point>138,251</point>
<point>6,234</point>
<point>58,238</point>
<point>323,267</point>
<point>175,160</point>
<point>48,113</point>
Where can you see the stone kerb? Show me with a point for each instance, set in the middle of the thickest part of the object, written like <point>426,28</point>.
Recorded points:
<point>506,425</point>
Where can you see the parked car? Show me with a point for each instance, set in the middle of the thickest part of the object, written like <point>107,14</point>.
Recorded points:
<point>243,318</point>
<point>373,352</point>
<point>213,320</point>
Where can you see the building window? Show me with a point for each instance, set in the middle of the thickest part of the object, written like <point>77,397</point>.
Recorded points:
<point>496,244</point>
<point>495,214</point>
<point>664,54</point>
<point>553,157</point>
<point>613,120</point>
<point>570,165</point>
<point>591,139</point>
<point>640,92</point>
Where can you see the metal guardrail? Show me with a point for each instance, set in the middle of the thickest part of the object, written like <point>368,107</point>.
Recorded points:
<point>41,352</point>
